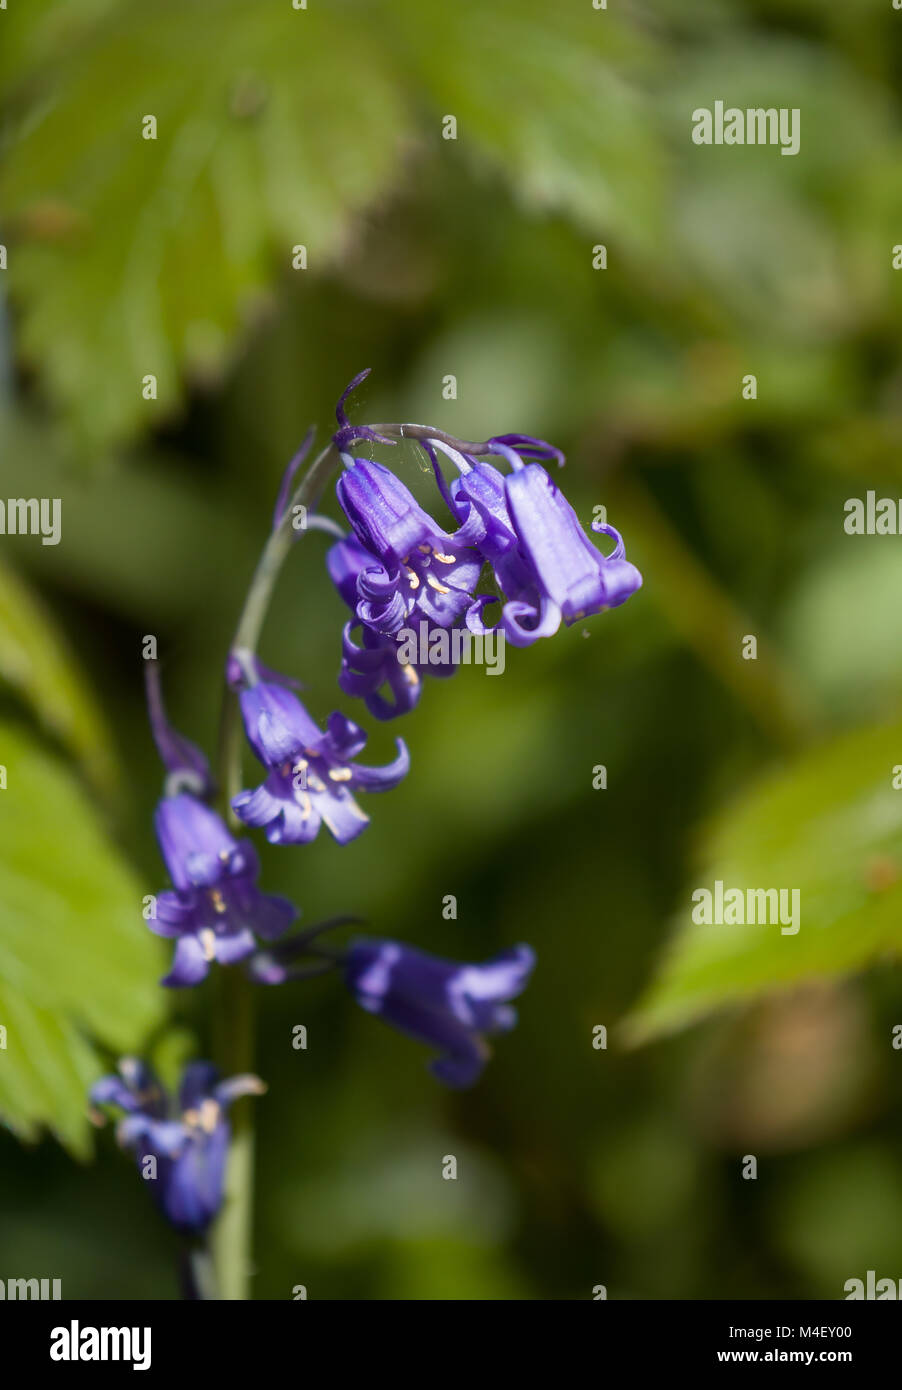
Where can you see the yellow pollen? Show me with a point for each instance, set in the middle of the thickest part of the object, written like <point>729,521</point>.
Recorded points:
<point>217,900</point>
<point>425,548</point>
<point>410,675</point>
<point>413,580</point>
<point>340,774</point>
<point>445,559</point>
<point>206,1118</point>
<point>208,941</point>
<point>209,1114</point>
<point>434,584</point>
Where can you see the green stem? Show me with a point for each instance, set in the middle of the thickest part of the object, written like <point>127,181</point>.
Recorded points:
<point>196,1272</point>
<point>232,1239</point>
<point>250,623</point>
<point>234,1009</point>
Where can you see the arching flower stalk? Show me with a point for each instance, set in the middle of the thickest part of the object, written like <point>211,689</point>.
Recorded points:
<point>508,524</point>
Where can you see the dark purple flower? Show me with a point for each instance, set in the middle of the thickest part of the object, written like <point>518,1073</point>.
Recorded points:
<point>417,567</point>
<point>544,563</point>
<point>215,907</point>
<point>188,1146</point>
<point>185,764</point>
<point>386,517</point>
<point>313,774</point>
<point>568,568</point>
<point>371,666</point>
<point>445,1004</point>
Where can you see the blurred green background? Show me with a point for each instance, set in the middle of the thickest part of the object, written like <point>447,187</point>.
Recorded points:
<point>428,257</point>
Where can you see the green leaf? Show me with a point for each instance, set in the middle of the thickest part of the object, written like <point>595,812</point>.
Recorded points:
<point>35,662</point>
<point>829,826</point>
<point>552,100</point>
<point>77,963</point>
<point>133,257</point>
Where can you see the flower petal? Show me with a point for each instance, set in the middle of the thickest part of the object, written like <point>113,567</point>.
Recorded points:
<point>193,841</point>
<point>189,964</point>
<point>382,779</point>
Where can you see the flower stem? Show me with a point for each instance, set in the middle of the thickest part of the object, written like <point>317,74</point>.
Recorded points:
<point>196,1273</point>
<point>234,1008</point>
<point>234,1050</point>
<point>250,623</point>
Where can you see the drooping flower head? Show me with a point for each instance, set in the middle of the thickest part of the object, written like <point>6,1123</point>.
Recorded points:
<point>313,774</point>
<point>567,567</point>
<point>215,908</point>
<point>447,1005</point>
<point>188,1143</point>
<point>417,569</point>
<point>370,668</point>
<point>546,567</point>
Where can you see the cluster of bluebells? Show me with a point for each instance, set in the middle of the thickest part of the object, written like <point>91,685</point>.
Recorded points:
<point>400,568</point>
<point>512,542</point>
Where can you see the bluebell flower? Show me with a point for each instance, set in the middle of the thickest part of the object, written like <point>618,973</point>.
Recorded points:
<point>313,775</point>
<point>417,568</point>
<point>186,766</point>
<point>215,907</point>
<point>546,567</point>
<point>569,570</point>
<point>371,666</point>
<point>189,1143</point>
<point>447,1005</point>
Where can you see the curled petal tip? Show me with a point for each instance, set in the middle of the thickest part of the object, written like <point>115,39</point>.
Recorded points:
<point>352,385</point>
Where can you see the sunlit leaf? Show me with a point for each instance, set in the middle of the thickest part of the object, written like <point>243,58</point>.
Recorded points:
<point>829,826</point>
<point>134,257</point>
<point>35,662</point>
<point>76,960</point>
